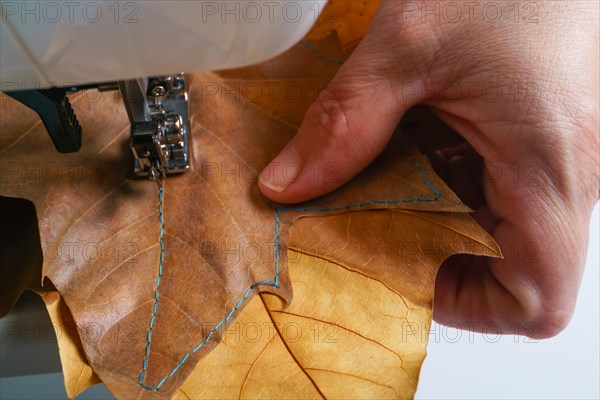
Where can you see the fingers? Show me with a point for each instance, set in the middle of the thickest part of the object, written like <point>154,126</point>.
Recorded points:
<point>343,131</point>
<point>540,223</point>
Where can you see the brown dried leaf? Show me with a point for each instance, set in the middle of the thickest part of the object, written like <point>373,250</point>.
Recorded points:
<point>359,322</point>
<point>100,237</point>
<point>308,350</point>
<point>21,269</point>
<point>99,227</point>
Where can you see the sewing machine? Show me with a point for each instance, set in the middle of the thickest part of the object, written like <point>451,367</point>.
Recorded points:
<point>50,49</point>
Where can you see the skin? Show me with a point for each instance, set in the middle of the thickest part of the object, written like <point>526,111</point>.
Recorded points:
<point>527,158</point>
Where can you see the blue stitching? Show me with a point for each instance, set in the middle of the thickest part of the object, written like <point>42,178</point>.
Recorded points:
<point>317,54</point>
<point>274,282</point>
<point>158,279</point>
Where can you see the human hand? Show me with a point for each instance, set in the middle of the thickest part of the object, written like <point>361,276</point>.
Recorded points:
<point>523,92</point>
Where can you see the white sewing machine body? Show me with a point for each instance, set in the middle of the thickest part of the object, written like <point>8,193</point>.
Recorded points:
<point>47,43</point>
<point>141,48</point>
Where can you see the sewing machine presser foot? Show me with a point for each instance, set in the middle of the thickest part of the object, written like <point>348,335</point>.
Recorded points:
<point>157,108</point>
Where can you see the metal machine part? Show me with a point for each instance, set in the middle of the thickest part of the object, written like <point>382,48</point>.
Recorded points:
<point>157,108</point>
<point>158,111</point>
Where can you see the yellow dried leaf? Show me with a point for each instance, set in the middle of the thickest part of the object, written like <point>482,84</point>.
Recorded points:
<point>348,18</point>
<point>352,330</point>
<point>77,372</point>
<point>355,330</point>
<point>99,234</point>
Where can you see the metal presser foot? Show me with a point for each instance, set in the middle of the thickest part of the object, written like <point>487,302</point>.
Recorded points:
<point>158,111</point>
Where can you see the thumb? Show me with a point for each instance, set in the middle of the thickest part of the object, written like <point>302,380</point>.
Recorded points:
<point>343,131</point>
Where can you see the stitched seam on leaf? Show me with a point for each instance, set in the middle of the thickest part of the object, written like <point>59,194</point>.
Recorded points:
<point>268,282</point>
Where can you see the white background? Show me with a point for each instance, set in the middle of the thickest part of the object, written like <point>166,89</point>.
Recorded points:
<point>460,365</point>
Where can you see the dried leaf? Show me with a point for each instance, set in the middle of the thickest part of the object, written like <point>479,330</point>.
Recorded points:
<point>99,228</point>
<point>78,374</point>
<point>349,19</point>
<point>100,238</point>
<point>360,319</point>
<point>21,270</point>
<point>309,349</point>
<point>377,244</point>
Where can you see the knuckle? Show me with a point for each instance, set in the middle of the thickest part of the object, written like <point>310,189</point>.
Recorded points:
<point>335,113</point>
<point>550,323</point>
<point>330,114</point>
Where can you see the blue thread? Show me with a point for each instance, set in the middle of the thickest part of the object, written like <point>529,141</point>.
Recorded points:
<point>158,279</point>
<point>274,282</point>
<point>319,56</point>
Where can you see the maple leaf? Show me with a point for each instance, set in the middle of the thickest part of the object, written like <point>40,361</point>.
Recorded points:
<point>391,181</point>
<point>360,319</point>
<point>20,269</point>
<point>144,323</point>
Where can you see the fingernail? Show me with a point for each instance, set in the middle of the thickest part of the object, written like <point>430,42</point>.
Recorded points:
<point>284,170</point>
